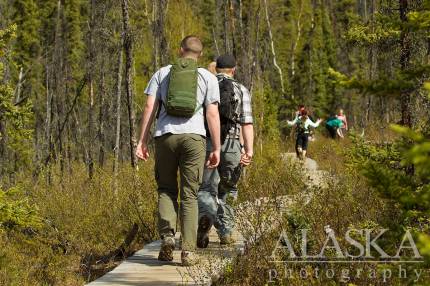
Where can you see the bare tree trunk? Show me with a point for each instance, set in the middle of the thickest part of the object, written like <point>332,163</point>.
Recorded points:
<point>215,41</point>
<point>155,50</point>
<point>255,49</point>
<point>60,86</point>
<point>103,112</point>
<point>19,86</point>
<point>226,28</point>
<point>160,52</point>
<point>48,123</point>
<point>161,12</point>
<point>296,42</point>
<point>219,25</point>
<point>405,55</point>
<point>244,42</point>
<point>128,48</point>
<point>3,142</point>
<point>372,69</point>
<point>91,67</point>
<point>232,21</point>
<point>295,45</point>
<point>365,10</point>
<point>80,135</point>
<point>102,117</point>
<point>272,45</point>
<point>118,116</point>
<point>90,163</point>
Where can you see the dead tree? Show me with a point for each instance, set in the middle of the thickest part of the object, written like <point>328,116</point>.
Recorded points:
<point>91,68</point>
<point>405,55</point>
<point>160,49</point>
<point>118,115</point>
<point>128,49</point>
<point>272,45</point>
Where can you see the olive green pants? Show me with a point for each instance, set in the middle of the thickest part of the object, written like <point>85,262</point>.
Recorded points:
<point>186,153</point>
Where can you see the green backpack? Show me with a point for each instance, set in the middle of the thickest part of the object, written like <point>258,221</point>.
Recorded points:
<point>182,93</point>
<point>300,126</point>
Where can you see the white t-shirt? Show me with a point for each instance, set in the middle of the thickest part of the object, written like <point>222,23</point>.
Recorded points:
<point>207,93</point>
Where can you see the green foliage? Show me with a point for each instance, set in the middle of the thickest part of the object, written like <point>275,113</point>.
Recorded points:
<point>27,43</point>
<point>383,28</point>
<point>15,136</point>
<point>385,85</point>
<point>400,172</point>
<point>265,113</point>
<point>318,51</point>
<point>420,20</point>
<point>16,211</point>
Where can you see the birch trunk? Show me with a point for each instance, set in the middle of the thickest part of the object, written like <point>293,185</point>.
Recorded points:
<point>272,45</point>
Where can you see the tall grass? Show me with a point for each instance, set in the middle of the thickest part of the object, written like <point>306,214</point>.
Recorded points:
<point>83,222</point>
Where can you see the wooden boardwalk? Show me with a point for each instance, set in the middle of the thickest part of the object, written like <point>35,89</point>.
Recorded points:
<point>143,268</point>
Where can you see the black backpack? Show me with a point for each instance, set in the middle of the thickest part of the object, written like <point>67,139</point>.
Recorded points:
<point>228,106</point>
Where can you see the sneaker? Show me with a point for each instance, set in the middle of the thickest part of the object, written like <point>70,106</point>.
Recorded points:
<point>226,239</point>
<point>189,258</point>
<point>167,247</point>
<point>203,232</point>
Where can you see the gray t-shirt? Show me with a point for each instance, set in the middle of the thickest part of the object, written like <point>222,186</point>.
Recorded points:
<point>207,93</point>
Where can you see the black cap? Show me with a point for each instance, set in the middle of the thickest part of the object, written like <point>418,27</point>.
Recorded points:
<point>226,62</point>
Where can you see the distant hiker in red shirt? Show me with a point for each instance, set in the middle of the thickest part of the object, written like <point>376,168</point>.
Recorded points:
<point>302,124</point>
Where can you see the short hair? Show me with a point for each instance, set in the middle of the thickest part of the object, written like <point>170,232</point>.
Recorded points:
<point>192,44</point>
<point>224,70</point>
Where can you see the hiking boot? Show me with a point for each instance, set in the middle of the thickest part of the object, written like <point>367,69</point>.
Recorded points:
<point>203,232</point>
<point>166,250</point>
<point>226,239</point>
<point>189,258</point>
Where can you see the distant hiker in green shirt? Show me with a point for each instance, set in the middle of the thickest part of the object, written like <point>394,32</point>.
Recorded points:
<point>218,191</point>
<point>181,93</point>
<point>333,125</point>
<point>302,124</point>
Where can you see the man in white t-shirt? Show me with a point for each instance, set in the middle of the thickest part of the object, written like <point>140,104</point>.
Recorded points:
<point>180,144</point>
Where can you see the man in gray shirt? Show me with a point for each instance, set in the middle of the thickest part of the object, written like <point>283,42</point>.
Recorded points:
<point>218,191</point>
<point>180,144</point>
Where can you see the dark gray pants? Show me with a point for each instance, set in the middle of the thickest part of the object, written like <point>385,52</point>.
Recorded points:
<point>218,191</point>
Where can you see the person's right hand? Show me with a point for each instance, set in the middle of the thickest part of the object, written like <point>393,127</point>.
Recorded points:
<point>142,151</point>
<point>213,159</point>
<point>246,159</point>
